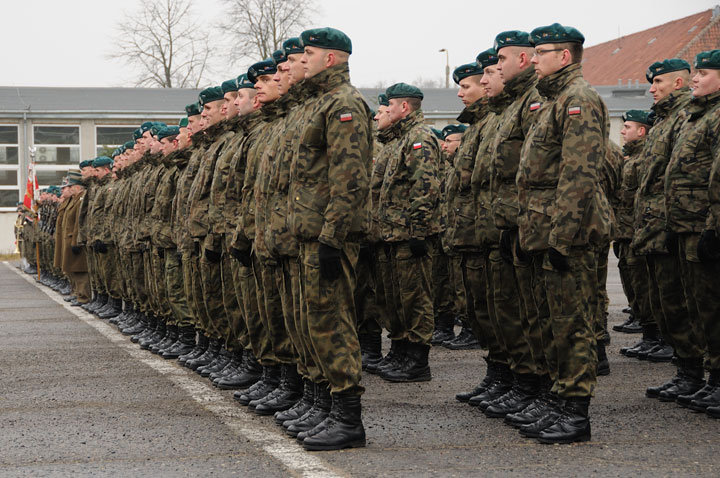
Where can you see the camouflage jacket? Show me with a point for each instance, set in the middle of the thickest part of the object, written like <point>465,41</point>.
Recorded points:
<point>650,233</point>
<point>96,211</point>
<point>410,193</point>
<point>460,233</point>
<point>610,178</point>
<point>148,193</point>
<point>117,221</point>
<point>328,198</point>
<point>513,126</point>
<point>85,206</point>
<point>486,234</point>
<point>687,176</point>
<point>630,179</point>
<point>561,202</point>
<point>161,213</point>
<point>181,236</point>
<point>388,139</point>
<point>220,177</point>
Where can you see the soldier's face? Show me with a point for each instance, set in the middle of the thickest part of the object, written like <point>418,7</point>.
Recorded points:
<point>547,61</point>
<point>183,138</point>
<point>297,71</point>
<point>267,89</point>
<point>451,143</point>
<point>632,130</point>
<point>383,118</point>
<point>155,146</point>
<point>662,86</point>
<point>492,81</point>
<point>705,82</point>
<point>193,124</point>
<point>313,60</point>
<point>510,61</point>
<point>86,172</point>
<point>397,110</point>
<point>471,90</point>
<point>282,78</point>
<point>212,113</point>
<point>244,101</point>
<point>102,172</point>
<point>228,109</point>
<point>168,146</point>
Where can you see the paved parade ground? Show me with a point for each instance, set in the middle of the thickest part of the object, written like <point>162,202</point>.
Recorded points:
<point>77,398</point>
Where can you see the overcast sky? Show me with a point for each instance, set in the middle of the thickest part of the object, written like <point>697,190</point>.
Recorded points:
<point>65,43</point>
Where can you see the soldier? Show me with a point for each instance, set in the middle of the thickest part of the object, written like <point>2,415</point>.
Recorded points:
<point>691,170</point>
<point>74,258</point>
<point>676,317</point>
<point>408,207</point>
<point>563,214</point>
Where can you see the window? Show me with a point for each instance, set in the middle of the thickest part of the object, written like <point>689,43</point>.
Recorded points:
<point>57,145</point>
<point>9,168</point>
<point>107,138</point>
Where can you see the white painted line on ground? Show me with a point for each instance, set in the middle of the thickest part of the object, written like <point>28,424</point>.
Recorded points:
<point>285,450</point>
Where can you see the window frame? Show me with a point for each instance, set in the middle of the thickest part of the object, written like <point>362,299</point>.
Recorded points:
<point>12,167</point>
<point>109,126</point>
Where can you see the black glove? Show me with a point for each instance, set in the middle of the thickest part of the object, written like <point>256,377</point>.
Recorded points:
<point>522,256</point>
<point>161,253</point>
<point>616,249</point>
<point>100,247</point>
<point>242,256</point>
<point>76,249</point>
<point>330,262</point>
<point>671,242</point>
<point>212,256</point>
<point>178,256</point>
<point>365,255</point>
<point>418,247</point>
<point>708,248</point>
<point>558,261</point>
<point>506,247</point>
<point>196,248</point>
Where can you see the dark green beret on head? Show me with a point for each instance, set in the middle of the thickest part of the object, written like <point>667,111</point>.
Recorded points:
<point>208,95</point>
<point>229,85</point>
<point>279,56</point>
<point>383,100</point>
<point>101,161</point>
<point>438,134</point>
<point>512,38</point>
<point>453,129</point>
<point>463,71</point>
<point>709,60</point>
<point>666,66</point>
<point>168,131</point>
<point>116,152</point>
<point>243,82</point>
<point>146,126</point>
<point>137,134</point>
<point>638,116</point>
<point>155,129</point>
<point>86,164</point>
<point>403,90</point>
<point>293,46</point>
<point>265,67</point>
<point>556,33</point>
<point>327,38</point>
<point>193,109</point>
<point>183,123</point>
<point>487,58</point>
<point>129,145</point>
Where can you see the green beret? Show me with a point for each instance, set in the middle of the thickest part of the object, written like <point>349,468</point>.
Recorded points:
<point>279,56</point>
<point>556,33</point>
<point>229,85</point>
<point>403,90</point>
<point>146,126</point>
<point>453,129</point>
<point>243,82</point>
<point>183,123</point>
<point>86,164</point>
<point>487,58</point>
<point>168,131</point>
<point>261,68</point>
<point>463,71</point>
<point>208,95</point>
<point>156,127</point>
<point>137,134</point>
<point>129,145</point>
<point>74,177</point>
<point>383,100</point>
<point>116,152</point>
<point>101,161</point>
<point>438,134</point>
<point>293,46</point>
<point>666,66</point>
<point>709,60</point>
<point>638,116</point>
<point>512,38</point>
<point>327,38</point>
<point>193,109</point>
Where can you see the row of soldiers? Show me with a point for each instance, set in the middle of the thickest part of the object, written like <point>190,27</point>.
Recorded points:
<point>265,242</point>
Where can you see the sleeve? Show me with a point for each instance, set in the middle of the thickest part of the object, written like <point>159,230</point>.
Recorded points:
<point>713,218</point>
<point>421,157</point>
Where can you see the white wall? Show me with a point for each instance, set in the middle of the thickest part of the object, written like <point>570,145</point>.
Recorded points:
<point>7,235</point>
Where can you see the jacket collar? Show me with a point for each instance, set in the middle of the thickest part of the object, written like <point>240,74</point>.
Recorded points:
<point>551,86</point>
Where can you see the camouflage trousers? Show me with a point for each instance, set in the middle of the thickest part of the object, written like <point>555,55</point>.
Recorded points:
<point>216,319</point>
<point>175,289</point>
<point>408,293</point>
<point>566,299</point>
<point>443,292</point>
<point>92,264</point>
<point>157,284</point>
<point>125,273</point>
<point>677,325</point>
<point>273,310</point>
<point>633,275</point>
<point>233,312</point>
<point>327,313</point>
<point>700,283</point>
<point>455,273</point>
<point>366,305</point>
<point>189,270</point>
<point>289,286</point>
<point>137,283</point>
<point>380,264</point>
<point>601,316</point>
<point>252,298</point>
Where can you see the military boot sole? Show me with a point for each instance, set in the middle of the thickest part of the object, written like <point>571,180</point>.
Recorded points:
<point>360,443</point>
<point>565,441</point>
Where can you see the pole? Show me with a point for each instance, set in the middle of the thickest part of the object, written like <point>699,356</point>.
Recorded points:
<point>447,66</point>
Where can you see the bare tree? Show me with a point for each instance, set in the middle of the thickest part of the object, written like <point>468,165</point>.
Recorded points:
<point>164,44</point>
<point>259,27</point>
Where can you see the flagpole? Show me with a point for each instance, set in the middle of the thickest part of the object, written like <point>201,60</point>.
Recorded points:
<point>33,206</point>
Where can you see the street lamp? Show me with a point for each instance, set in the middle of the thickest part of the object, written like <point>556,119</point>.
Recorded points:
<point>447,66</point>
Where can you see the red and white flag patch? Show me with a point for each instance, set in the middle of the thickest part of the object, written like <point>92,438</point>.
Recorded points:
<point>535,106</point>
<point>574,110</point>
<point>417,145</point>
<point>346,117</point>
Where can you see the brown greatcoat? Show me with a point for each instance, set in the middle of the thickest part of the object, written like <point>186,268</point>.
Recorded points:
<point>58,257</point>
<point>73,262</point>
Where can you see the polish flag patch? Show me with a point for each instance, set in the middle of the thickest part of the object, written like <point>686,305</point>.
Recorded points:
<point>346,117</point>
<point>534,106</point>
<point>574,110</point>
<point>417,145</point>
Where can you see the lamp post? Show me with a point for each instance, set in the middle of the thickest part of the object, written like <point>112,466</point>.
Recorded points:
<point>447,66</point>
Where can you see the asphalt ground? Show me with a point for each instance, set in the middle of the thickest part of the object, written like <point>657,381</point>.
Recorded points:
<point>77,398</point>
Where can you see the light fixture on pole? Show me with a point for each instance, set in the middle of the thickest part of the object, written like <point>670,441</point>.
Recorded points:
<point>447,66</point>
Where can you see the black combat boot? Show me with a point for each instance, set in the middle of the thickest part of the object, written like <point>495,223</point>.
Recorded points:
<point>128,310</point>
<point>184,344</point>
<point>573,424</point>
<point>248,373</point>
<point>342,429</point>
<point>654,392</point>
<point>232,367</point>
<point>708,396</point>
<point>649,340</point>
<point>489,377</point>
<point>313,417</point>
<point>691,380</point>
<point>287,394</point>
<point>268,382</point>
<point>603,364</point>
<point>619,327</point>
<point>221,360</point>
<point>93,303</point>
<point>114,310</point>
<point>200,348</point>
<point>663,353</point>
<point>544,416</point>
<point>300,407</point>
<point>633,327</point>
<point>148,330</point>
<point>523,392</point>
<point>207,356</point>
<point>140,326</point>
<point>465,340</point>
<point>415,368</point>
<point>444,330</point>
<point>171,335</point>
<point>502,383</point>
<point>154,338</point>
<point>370,348</point>
<point>539,408</point>
<point>392,358</point>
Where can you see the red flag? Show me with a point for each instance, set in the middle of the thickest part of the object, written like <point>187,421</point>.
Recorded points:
<point>30,188</point>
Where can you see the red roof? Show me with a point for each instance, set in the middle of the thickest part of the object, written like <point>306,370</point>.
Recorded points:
<point>628,57</point>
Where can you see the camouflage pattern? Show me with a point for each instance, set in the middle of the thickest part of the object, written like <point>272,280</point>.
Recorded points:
<point>631,175</point>
<point>387,139</point>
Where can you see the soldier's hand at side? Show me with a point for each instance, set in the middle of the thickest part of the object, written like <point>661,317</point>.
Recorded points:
<point>418,247</point>
<point>558,261</point>
<point>101,247</point>
<point>330,262</point>
<point>616,249</point>
<point>708,248</point>
<point>522,256</point>
<point>212,256</point>
<point>76,249</point>
<point>161,253</point>
<point>242,256</point>
<point>506,246</point>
